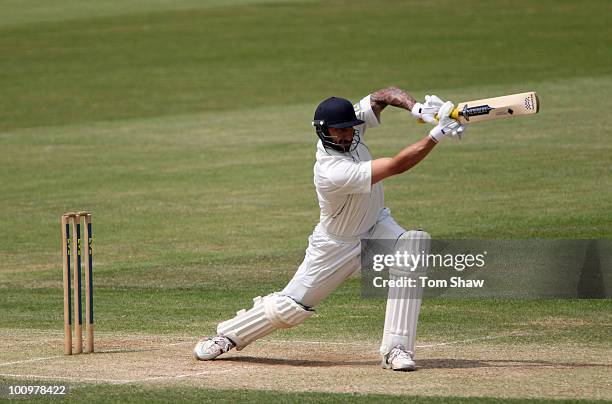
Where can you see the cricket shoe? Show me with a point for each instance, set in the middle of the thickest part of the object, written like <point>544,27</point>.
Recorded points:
<point>398,359</point>
<point>211,347</point>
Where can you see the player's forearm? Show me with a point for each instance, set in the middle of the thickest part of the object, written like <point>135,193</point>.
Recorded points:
<point>390,96</point>
<point>412,155</point>
<point>403,161</point>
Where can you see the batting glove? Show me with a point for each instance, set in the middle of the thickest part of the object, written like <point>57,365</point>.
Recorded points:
<point>428,110</point>
<point>447,125</point>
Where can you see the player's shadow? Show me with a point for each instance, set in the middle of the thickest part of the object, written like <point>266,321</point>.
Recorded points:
<point>297,362</point>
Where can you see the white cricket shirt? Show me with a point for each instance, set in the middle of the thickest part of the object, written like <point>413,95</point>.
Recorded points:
<point>349,203</point>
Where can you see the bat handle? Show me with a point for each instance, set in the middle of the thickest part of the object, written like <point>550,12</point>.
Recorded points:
<point>454,114</point>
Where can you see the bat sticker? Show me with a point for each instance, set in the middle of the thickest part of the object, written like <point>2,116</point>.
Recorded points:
<point>466,112</point>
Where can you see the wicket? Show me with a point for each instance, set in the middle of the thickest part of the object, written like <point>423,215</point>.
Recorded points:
<point>72,249</point>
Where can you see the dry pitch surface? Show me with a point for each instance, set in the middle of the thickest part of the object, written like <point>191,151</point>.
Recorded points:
<point>498,366</point>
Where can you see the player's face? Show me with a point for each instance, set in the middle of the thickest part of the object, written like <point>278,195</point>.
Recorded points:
<point>342,136</point>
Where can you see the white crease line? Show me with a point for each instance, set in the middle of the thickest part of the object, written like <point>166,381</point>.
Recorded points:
<point>101,351</point>
<point>30,360</point>
<point>465,341</point>
<point>116,381</point>
<point>206,372</point>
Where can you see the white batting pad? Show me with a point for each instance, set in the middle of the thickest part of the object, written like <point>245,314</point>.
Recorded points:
<point>404,303</point>
<point>268,313</point>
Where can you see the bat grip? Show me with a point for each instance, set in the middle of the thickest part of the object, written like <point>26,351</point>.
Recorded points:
<point>454,114</point>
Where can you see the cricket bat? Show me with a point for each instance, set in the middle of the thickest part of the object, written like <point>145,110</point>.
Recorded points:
<point>488,109</point>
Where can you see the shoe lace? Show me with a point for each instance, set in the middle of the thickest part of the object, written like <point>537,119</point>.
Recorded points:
<point>224,343</point>
<point>399,353</point>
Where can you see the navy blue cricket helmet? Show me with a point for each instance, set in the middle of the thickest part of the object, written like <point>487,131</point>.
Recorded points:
<point>335,112</point>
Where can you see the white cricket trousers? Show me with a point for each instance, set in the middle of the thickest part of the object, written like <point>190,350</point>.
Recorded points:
<point>330,260</point>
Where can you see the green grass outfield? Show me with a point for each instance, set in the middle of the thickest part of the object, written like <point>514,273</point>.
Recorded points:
<point>185,129</point>
<point>156,395</point>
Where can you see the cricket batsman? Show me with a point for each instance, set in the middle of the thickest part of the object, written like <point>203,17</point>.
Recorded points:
<point>348,184</point>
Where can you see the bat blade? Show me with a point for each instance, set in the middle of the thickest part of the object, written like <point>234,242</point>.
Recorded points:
<point>487,109</point>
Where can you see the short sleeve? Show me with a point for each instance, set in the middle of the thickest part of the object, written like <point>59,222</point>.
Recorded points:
<point>363,111</point>
<point>345,176</point>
